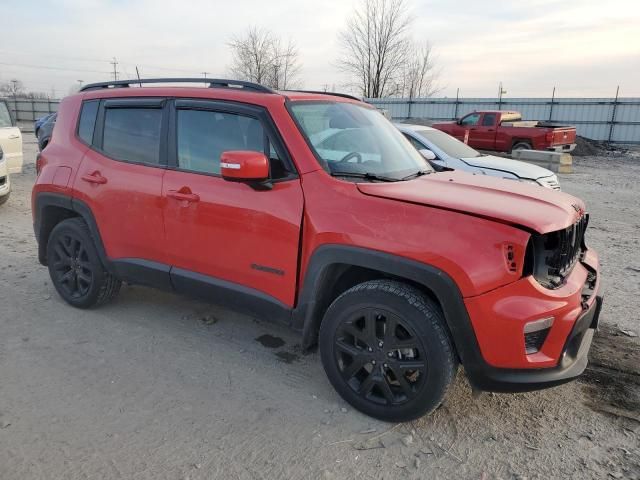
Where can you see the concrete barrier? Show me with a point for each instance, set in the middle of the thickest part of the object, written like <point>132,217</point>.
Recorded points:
<point>557,162</point>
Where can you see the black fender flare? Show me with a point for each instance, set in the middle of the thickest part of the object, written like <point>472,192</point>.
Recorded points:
<point>74,206</point>
<point>319,274</point>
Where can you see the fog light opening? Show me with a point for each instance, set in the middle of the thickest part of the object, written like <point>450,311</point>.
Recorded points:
<point>535,333</point>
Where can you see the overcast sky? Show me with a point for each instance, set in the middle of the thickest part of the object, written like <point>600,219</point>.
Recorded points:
<point>583,47</point>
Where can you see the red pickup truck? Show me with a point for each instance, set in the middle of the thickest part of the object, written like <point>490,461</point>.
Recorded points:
<point>505,131</point>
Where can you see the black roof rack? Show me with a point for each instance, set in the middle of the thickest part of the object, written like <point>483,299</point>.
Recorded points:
<point>213,83</point>
<point>334,94</point>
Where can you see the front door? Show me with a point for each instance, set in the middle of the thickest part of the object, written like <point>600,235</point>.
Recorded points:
<point>466,132</point>
<point>228,231</point>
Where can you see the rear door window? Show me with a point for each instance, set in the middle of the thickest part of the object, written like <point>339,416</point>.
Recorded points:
<point>489,120</point>
<point>133,134</point>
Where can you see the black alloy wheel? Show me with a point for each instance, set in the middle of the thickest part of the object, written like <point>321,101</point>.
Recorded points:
<point>379,356</point>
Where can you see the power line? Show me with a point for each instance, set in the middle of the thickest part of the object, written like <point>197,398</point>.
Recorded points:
<point>45,67</point>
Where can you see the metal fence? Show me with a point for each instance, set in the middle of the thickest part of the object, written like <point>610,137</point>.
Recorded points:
<point>27,109</point>
<point>606,119</point>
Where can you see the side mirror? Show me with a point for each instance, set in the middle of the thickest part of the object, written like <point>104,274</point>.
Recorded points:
<point>246,166</point>
<point>427,154</point>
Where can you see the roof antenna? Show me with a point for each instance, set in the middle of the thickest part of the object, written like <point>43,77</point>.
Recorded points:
<point>138,74</point>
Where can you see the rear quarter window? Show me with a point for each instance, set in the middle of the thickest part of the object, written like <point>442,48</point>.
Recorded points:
<point>87,121</point>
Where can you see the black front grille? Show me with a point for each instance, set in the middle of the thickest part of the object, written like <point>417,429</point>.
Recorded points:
<point>3,180</point>
<point>533,341</point>
<point>556,253</point>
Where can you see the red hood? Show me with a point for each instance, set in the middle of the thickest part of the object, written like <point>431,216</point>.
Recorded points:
<point>506,201</point>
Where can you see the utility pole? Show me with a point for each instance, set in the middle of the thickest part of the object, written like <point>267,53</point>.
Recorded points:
<point>115,70</point>
<point>204,74</point>
<point>501,91</point>
<point>80,84</point>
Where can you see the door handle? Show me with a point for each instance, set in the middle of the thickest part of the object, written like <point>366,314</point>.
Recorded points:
<point>187,197</point>
<point>95,177</point>
<point>13,136</point>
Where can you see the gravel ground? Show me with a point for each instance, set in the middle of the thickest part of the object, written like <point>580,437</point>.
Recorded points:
<point>158,386</point>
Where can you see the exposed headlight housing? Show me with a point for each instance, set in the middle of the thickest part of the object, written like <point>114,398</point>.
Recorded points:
<point>528,180</point>
<point>549,182</point>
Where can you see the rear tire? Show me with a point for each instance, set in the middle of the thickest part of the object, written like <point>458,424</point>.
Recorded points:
<point>521,146</point>
<point>75,267</point>
<point>386,351</point>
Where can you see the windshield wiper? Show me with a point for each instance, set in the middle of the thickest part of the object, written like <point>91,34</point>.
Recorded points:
<point>366,175</point>
<point>419,173</point>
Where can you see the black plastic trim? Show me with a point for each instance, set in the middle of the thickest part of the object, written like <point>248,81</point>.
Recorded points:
<point>43,200</point>
<point>213,83</point>
<point>231,295</point>
<point>318,277</point>
<point>143,272</point>
<point>331,94</point>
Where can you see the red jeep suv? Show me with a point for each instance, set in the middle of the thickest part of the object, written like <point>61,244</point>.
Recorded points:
<point>313,210</point>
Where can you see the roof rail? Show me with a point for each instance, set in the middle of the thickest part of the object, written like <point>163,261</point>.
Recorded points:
<point>213,83</point>
<point>334,94</point>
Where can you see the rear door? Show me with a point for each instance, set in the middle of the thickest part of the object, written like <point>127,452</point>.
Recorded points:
<point>228,231</point>
<point>10,139</point>
<point>120,179</point>
<point>483,135</point>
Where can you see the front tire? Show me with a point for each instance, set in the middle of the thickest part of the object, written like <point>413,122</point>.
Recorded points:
<point>386,351</point>
<point>75,267</point>
<point>4,198</point>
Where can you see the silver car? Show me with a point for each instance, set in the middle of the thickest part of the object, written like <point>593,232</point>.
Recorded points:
<point>443,150</point>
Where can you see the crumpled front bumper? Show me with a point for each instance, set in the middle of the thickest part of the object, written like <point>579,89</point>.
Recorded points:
<point>499,317</point>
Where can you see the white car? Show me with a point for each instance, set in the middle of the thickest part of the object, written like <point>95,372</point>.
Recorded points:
<point>10,150</point>
<point>441,149</point>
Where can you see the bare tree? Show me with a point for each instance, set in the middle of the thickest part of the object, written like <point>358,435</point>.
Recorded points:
<point>375,46</point>
<point>420,76</point>
<point>14,88</point>
<point>259,56</point>
<point>286,68</point>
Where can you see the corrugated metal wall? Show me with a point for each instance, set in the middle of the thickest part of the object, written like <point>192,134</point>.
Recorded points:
<point>596,118</point>
<point>25,109</point>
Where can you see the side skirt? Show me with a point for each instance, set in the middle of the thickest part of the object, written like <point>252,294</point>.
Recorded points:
<point>231,295</point>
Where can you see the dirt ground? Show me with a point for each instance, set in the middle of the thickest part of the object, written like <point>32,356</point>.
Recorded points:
<point>159,386</point>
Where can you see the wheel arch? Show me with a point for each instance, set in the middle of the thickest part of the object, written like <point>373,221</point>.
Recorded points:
<point>333,269</point>
<point>52,208</point>
<point>516,141</point>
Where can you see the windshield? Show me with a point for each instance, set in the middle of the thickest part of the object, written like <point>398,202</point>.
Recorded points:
<point>5,118</point>
<point>449,145</point>
<point>355,140</point>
